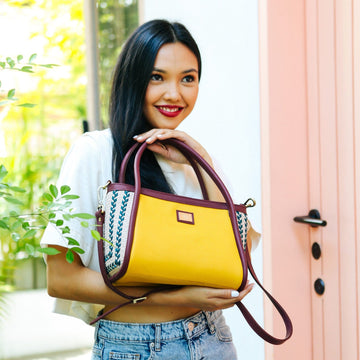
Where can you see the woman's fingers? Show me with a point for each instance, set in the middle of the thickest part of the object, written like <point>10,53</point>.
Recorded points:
<point>211,299</point>
<point>154,136</point>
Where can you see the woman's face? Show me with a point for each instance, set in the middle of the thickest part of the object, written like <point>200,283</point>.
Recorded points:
<point>173,88</point>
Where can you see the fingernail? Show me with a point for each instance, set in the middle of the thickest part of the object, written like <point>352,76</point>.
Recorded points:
<point>135,136</point>
<point>234,293</point>
<point>149,139</point>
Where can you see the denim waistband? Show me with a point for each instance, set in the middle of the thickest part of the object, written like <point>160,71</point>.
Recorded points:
<point>184,328</point>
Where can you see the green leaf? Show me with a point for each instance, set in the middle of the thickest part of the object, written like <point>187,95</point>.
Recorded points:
<point>67,217</point>
<point>32,58</point>
<point>13,200</point>
<point>4,102</point>
<point>64,189</point>
<point>2,64</point>
<point>3,172</point>
<point>69,256</point>
<point>53,190</point>
<point>3,225</point>
<point>25,225</point>
<point>27,105</point>
<point>10,61</point>
<point>17,189</point>
<point>15,236</point>
<point>65,230</point>
<point>84,224</point>
<point>29,249</point>
<point>29,234</point>
<point>48,250</point>
<point>14,213</point>
<point>96,235</point>
<point>78,250</point>
<point>48,197</point>
<point>70,197</point>
<point>52,216</point>
<point>15,225</point>
<point>83,216</point>
<point>19,58</point>
<point>11,94</point>
<point>72,241</point>
<point>27,69</point>
<point>59,222</point>
<point>49,66</point>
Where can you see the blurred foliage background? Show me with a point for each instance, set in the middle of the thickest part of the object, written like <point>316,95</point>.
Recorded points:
<point>34,140</point>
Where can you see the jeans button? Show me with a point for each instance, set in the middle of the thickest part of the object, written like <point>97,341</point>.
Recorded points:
<point>191,326</point>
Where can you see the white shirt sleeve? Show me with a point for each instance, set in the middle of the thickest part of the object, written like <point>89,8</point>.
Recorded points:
<point>84,169</point>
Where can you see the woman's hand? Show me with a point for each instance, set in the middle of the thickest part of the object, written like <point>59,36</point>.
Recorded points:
<point>154,136</point>
<point>204,298</point>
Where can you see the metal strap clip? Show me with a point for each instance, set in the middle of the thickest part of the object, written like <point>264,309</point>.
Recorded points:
<point>101,195</point>
<point>141,299</point>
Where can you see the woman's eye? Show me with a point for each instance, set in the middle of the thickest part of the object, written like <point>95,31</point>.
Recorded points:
<point>188,79</point>
<point>156,77</point>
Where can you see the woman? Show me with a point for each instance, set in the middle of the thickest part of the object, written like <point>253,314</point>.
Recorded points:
<point>155,87</point>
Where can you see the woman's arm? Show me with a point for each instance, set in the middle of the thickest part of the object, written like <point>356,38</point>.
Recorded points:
<point>76,282</point>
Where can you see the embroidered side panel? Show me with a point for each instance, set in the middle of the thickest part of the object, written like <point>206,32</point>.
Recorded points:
<point>117,217</point>
<point>243,225</point>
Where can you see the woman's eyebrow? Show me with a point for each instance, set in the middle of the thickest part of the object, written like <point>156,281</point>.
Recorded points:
<point>183,72</point>
<point>189,71</point>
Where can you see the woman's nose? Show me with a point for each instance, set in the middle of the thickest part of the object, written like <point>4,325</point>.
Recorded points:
<point>172,92</point>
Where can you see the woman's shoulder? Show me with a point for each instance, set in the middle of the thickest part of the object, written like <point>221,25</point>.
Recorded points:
<point>97,139</point>
<point>92,144</point>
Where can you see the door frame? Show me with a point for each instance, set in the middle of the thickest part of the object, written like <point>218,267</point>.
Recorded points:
<point>283,116</point>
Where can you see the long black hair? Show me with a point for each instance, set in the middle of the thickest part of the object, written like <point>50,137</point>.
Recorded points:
<point>130,80</point>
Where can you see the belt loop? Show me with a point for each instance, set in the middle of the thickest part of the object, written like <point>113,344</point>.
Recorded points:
<point>157,337</point>
<point>210,322</point>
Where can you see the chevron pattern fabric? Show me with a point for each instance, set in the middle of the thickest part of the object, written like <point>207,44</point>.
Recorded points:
<point>243,224</point>
<point>118,204</point>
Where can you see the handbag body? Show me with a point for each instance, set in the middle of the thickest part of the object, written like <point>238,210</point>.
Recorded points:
<point>175,240</point>
<point>151,238</point>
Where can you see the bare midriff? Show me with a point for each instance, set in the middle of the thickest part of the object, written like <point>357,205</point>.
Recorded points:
<point>149,314</point>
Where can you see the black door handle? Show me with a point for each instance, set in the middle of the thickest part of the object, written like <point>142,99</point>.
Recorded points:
<point>313,219</point>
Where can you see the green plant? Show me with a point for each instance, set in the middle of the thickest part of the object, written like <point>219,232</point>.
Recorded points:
<point>18,65</point>
<point>20,229</point>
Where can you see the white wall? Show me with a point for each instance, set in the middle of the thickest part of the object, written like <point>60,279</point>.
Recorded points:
<point>226,119</point>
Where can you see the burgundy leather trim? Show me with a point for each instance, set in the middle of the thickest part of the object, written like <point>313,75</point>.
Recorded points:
<point>176,198</point>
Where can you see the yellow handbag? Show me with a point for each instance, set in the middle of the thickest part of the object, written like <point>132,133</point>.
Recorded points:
<point>155,238</point>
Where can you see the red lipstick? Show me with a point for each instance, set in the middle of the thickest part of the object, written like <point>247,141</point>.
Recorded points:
<point>170,110</point>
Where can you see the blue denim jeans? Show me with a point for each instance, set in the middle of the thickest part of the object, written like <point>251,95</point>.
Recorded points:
<point>204,335</point>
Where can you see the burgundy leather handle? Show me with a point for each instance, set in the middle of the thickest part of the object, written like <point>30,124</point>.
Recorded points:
<point>127,156</point>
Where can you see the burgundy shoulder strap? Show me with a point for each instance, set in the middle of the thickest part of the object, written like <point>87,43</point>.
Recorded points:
<point>252,322</point>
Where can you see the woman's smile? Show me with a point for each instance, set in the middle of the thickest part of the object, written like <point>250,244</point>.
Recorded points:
<point>170,110</point>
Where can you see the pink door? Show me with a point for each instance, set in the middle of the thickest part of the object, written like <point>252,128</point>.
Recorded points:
<point>310,98</point>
